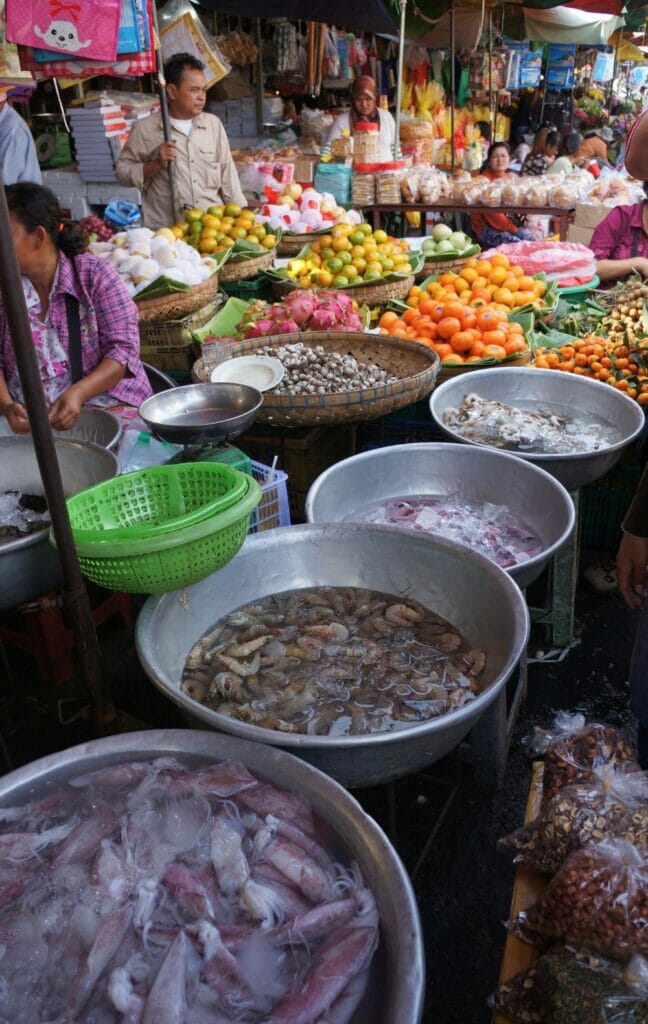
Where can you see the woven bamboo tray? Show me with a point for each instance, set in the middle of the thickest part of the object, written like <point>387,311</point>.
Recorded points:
<point>415,365</point>
<point>448,372</point>
<point>527,888</point>
<point>291,245</point>
<point>364,295</point>
<point>174,307</point>
<point>246,268</point>
<point>441,266</point>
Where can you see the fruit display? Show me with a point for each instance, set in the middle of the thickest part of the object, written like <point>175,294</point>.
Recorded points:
<point>458,333</point>
<point>446,244</point>
<point>302,211</point>
<point>218,228</point>
<point>569,264</point>
<point>495,281</point>
<point>626,316</point>
<point>301,311</point>
<point>143,257</point>
<point>349,255</point>
<point>608,360</point>
<point>95,229</point>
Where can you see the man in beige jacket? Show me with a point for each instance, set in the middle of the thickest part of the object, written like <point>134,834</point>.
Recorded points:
<point>205,174</point>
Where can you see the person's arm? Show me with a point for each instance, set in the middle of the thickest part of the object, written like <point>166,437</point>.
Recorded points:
<point>139,161</point>
<point>340,124</point>
<point>19,162</point>
<point>611,270</point>
<point>604,243</point>
<point>67,407</point>
<point>231,190</point>
<point>14,412</point>
<point>632,557</point>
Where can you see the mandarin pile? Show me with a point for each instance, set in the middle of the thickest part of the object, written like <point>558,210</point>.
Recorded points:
<point>349,254</point>
<point>624,367</point>
<point>492,281</point>
<point>218,228</point>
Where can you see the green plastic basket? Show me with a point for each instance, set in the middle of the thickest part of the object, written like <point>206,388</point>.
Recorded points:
<point>153,502</point>
<point>156,565</point>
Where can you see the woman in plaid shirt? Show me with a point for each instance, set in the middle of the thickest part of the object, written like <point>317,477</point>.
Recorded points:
<point>54,267</point>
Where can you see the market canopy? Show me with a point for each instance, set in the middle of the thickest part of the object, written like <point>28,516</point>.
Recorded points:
<point>564,24</point>
<point>370,16</point>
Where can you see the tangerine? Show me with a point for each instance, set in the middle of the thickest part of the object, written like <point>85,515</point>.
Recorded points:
<point>448,326</point>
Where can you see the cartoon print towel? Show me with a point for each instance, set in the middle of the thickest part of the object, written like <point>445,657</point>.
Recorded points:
<point>65,27</point>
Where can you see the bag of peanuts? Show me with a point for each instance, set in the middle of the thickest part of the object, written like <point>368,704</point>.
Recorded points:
<point>612,803</point>
<point>572,749</point>
<point>572,985</point>
<point>598,899</point>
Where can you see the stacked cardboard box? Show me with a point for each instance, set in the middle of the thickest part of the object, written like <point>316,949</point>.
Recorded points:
<point>586,218</point>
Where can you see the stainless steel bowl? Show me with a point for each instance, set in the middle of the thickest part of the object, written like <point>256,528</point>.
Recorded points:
<point>478,474</point>
<point>548,388</point>
<point>199,413</point>
<point>469,590</point>
<point>30,566</point>
<point>396,991</point>
<point>98,426</point>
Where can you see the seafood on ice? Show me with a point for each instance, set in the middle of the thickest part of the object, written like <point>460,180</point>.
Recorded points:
<point>151,892</point>
<point>534,430</point>
<point>21,514</point>
<point>481,525</point>
<point>333,661</point>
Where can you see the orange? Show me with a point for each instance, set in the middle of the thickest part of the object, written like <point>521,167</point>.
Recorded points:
<point>500,260</point>
<point>517,272</point>
<point>471,263</point>
<point>498,275</point>
<point>514,345</point>
<point>454,359</point>
<point>454,309</point>
<point>412,301</point>
<point>442,349</point>
<point>525,283</point>
<point>387,319</point>
<point>462,341</point>
<point>514,328</point>
<point>484,267</point>
<point>447,279</point>
<point>477,350</point>
<point>539,287</point>
<point>448,326</point>
<point>469,274</point>
<point>474,358</point>
<point>486,319</point>
<point>494,338</point>
<point>494,352</point>
<point>503,295</point>
<point>428,331</point>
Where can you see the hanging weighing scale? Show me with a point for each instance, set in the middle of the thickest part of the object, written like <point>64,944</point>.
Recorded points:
<point>203,418</point>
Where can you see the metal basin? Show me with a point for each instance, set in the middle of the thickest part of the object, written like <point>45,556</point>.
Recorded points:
<point>466,588</point>
<point>199,413</point>
<point>98,426</point>
<point>478,474</point>
<point>395,993</point>
<point>30,566</point>
<point>548,388</point>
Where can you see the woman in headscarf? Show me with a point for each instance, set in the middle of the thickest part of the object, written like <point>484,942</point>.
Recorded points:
<point>365,110</point>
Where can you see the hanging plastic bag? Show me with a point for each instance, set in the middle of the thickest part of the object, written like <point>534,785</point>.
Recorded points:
<point>121,214</point>
<point>66,27</point>
<point>182,31</point>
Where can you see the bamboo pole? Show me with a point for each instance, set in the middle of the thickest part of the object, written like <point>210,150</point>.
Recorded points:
<point>164,108</point>
<point>399,83</point>
<point>491,119</point>
<point>259,74</point>
<point>453,87</point>
<point>75,595</point>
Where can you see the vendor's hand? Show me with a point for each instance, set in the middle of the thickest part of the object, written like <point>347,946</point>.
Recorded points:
<point>640,264</point>
<point>17,418</point>
<point>631,561</point>
<point>66,409</point>
<point>167,153</point>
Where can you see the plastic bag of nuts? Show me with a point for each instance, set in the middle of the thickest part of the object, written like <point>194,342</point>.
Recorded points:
<point>613,803</point>
<point>572,985</point>
<point>599,899</point>
<point>573,749</point>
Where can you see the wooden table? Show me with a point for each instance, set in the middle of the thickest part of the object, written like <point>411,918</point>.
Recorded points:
<point>562,217</point>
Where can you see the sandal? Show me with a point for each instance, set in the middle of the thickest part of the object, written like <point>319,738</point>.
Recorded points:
<point>602,576</point>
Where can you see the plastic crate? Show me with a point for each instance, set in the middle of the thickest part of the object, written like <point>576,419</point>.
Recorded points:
<point>170,345</point>
<point>303,453</point>
<point>407,426</point>
<point>273,509</point>
<point>259,287</point>
<point>604,505</point>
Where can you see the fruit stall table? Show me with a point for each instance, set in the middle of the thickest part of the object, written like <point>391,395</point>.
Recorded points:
<point>560,216</point>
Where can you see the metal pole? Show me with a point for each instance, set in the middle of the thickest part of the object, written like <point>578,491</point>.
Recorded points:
<point>614,69</point>
<point>399,84</point>
<point>164,108</point>
<point>259,71</point>
<point>453,86</point>
<point>75,596</point>
<point>491,119</point>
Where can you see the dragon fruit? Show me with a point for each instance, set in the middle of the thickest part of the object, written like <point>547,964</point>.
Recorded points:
<point>286,327</point>
<point>323,320</point>
<point>341,298</point>
<point>301,305</point>
<point>261,328</point>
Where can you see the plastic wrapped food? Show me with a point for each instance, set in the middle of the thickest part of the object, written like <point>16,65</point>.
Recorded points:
<point>492,196</point>
<point>572,985</point>
<point>598,899</point>
<point>564,197</point>
<point>574,749</point>
<point>613,803</point>
<point>558,260</point>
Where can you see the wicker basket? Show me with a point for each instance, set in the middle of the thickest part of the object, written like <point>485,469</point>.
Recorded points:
<point>431,267</point>
<point>292,245</point>
<point>369,294</point>
<point>170,346</point>
<point>173,307</point>
<point>415,365</point>
<point>448,372</point>
<point>246,268</point>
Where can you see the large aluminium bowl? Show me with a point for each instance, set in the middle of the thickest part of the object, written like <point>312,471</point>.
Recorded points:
<point>548,389</point>
<point>199,413</point>
<point>96,425</point>
<point>396,989</point>
<point>29,565</point>
<point>467,589</point>
<point>477,474</point>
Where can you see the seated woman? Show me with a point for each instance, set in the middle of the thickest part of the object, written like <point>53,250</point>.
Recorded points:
<point>365,109</point>
<point>84,323</point>
<point>568,156</point>
<point>492,229</point>
<point>543,152</point>
<point>620,242</point>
